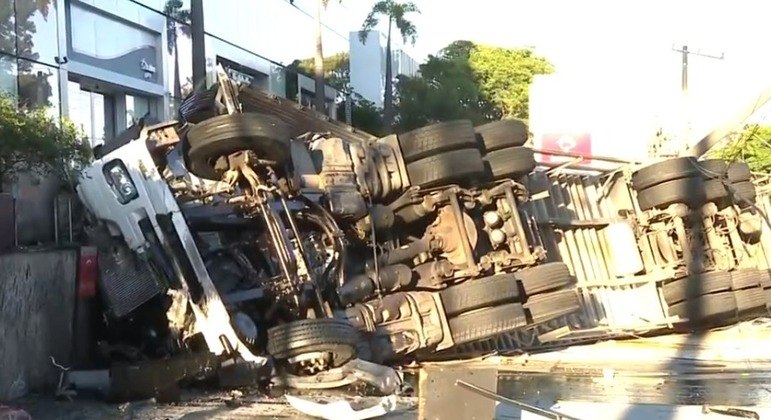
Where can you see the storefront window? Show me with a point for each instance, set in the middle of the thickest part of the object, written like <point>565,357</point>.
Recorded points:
<point>136,108</point>
<point>38,86</point>
<point>7,28</point>
<point>37,30</point>
<point>8,75</point>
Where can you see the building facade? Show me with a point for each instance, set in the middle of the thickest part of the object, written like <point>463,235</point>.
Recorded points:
<point>368,67</point>
<point>106,63</point>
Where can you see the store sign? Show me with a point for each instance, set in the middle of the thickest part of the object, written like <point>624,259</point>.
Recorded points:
<point>575,143</point>
<point>239,77</point>
<point>147,68</point>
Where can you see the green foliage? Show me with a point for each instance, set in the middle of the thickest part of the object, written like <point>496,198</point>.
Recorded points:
<point>336,69</point>
<point>468,81</point>
<point>364,116</point>
<point>505,75</point>
<point>396,14</point>
<point>752,145</point>
<point>31,140</point>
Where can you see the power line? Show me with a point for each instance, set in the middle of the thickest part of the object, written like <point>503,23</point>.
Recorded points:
<point>291,3</point>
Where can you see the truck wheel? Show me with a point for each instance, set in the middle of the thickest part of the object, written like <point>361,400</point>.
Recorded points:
<point>713,168</point>
<point>488,322</point>
<point>692,287</point>
<point>688,191</point>
<point>750,300</point>
<point>744,279</point>
<point>667,170</point>
<point>715,190</point>
<point>545,277</point>
<point>199,106</point>
<point>738,172</point>
<point>509,163</point>
<point>222,135</point>
<point>548,306</point>
<point>716,305</point>
<point>336,337</point>
<point>744,193</point>
<point>436,138</point>
<point>479,293</point>
<point>464,167</point>
<point>502,134</point>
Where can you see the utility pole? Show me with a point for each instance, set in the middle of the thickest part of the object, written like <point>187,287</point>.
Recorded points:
<point>197,33</point>
<point>684,87</point>
<point>685,51</point>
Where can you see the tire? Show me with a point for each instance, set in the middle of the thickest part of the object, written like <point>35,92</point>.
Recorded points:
<point>738,172</point>
<point>667,170</point>
<point>765,278</point>
<point>548,306</point>
<point>715,190</point>
<point>487,323</point>
<point>335,336</point>
<point>545,277</point>
<point>436,138</point>
<point>713,168</point>
<point>479,293</point>
<point>513,162</point>
<point>743,193</point>
<point>225,134</point>
<point>688,191</point>
<point>681,289</point>
<point>710,306</point>
<point>199,106</point>
<point>502,134</point>
<point>750,300</point>
<point>744,279</point>
<point>460,166</point>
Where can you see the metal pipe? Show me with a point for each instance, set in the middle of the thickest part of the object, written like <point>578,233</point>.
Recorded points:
<point>69,217</point>
<point>587,157</point>
<point>576,166</point>
<point>311,274</point>
<point>56,220</point>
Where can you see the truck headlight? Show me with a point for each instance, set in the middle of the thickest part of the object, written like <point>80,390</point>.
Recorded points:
<point>118,178</point>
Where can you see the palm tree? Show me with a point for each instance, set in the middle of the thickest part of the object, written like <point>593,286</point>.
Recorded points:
<point>395,12</point>
<point>175,16</point>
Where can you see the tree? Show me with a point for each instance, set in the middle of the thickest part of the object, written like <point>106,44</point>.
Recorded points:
<point>177,21</point>
<point>468,81</point>
<point>336,69</point>
<point>30,139</point>
<point>395,12</point>
<point>505,76</point>
<point>752,145</point>
<point>365,116</point>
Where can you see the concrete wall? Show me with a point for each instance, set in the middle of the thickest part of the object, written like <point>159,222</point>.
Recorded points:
<point>34,207</point>
<point>37,301</point>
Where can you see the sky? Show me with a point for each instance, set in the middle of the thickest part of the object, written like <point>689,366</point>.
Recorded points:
<point>615,58</point>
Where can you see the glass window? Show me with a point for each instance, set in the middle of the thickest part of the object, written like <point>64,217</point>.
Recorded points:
<point>37,30</point>
<point>136,108</point>
<point>88,111</point>
<point>8,74</point>
<point>38,86</point>
<point>7,28</point>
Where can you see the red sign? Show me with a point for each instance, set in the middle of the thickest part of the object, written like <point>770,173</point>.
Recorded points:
<point>575,143</point>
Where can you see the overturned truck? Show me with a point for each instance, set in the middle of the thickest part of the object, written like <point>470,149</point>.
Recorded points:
<point>259,233</point>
